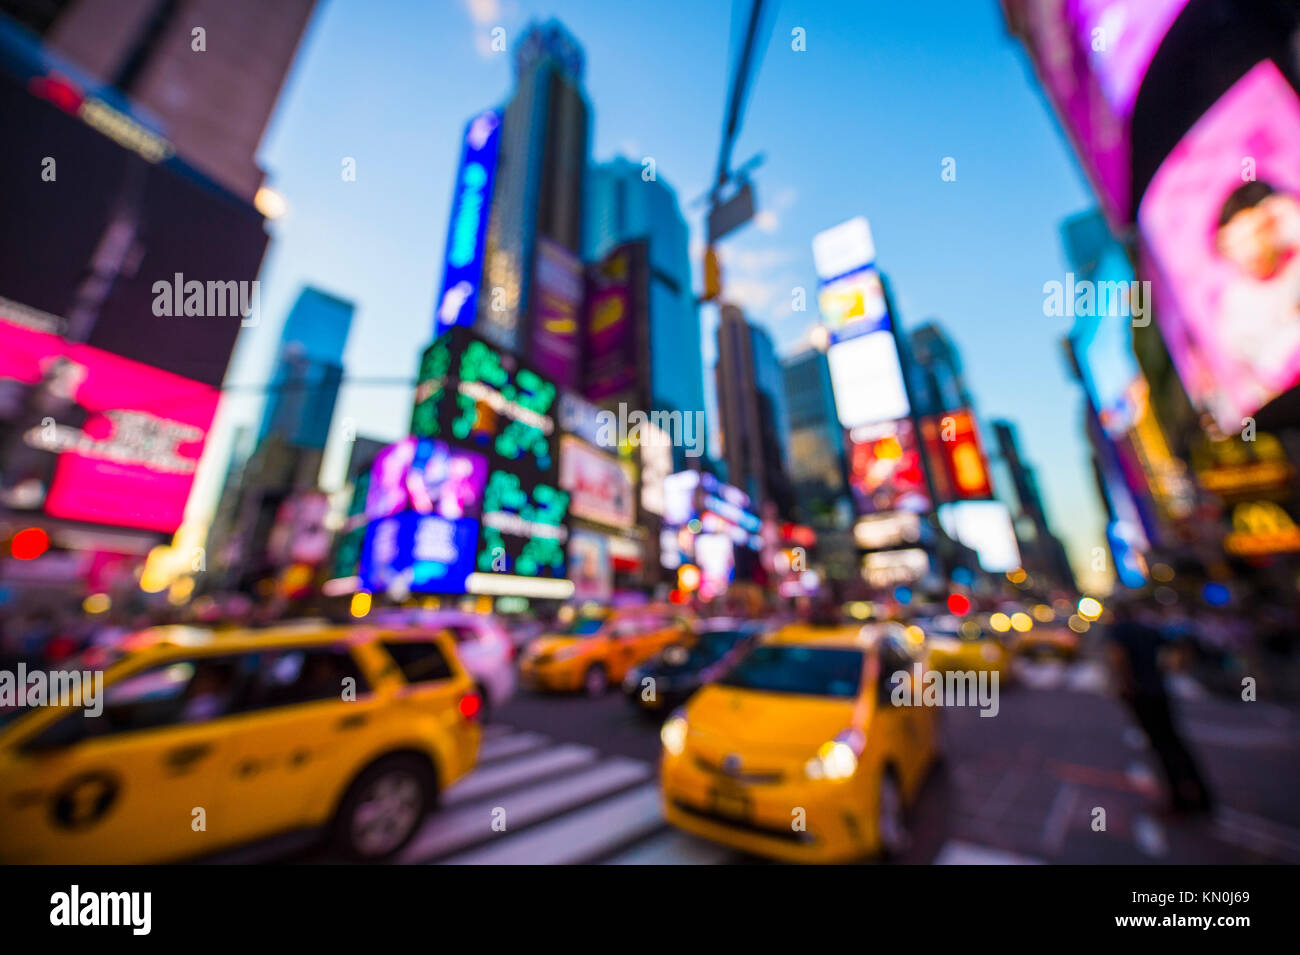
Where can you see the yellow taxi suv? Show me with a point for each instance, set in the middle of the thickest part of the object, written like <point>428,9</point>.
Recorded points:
<point>799,753</point>
<point>597,649</point>
<point>201,742</point>
<point>965,646</point>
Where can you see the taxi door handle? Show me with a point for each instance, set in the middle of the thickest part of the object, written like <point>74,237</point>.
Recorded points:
<point>183,757</point>
<point>355,721</point>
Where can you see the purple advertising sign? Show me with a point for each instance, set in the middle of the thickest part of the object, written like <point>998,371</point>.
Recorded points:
<point>615,297</point>
<point>557,307</point>
<point>426,476</point>
<point>1091,56</point>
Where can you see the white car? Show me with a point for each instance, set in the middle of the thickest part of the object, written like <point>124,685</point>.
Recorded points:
<point>482,643</point>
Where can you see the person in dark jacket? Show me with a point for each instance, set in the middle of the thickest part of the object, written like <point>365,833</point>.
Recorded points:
<point>1134,646</point>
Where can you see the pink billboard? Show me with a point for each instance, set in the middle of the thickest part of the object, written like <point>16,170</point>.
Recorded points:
<point>128,438</point>
<point>1091,57</point>
<point>1220,226</point>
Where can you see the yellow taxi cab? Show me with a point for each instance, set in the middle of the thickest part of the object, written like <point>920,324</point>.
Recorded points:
<point>200,742</point>
<point>800,753</point>
<point>966,646</point>
<point>598,648</point>
<point>1046,640</point>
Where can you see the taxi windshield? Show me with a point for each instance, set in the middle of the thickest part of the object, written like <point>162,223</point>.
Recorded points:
<point>806,671</point>
<point>583,626</point>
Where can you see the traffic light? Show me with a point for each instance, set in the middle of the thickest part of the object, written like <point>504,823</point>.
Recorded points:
<point>712,275</point>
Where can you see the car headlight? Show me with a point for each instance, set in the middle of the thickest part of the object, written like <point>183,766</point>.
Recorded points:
<point>673,734</point>
<point>836,758</point>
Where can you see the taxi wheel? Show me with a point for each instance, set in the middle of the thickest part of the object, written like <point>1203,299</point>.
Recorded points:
<point>383,808</point>
<point>891,827</point>
<point>595,682</point>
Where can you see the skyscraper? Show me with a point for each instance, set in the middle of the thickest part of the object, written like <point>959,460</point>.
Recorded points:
<point>622,206</point>
<point>214,103</point>
<point>309,369</point>
<point>285,463</point>
<point>816,440</point>
<point>539,182</point>
<point>937,356</point>
<point>1041,550</point>
<point>751,408</point>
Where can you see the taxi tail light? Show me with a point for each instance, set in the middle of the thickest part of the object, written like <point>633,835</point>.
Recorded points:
<point>471,705</point>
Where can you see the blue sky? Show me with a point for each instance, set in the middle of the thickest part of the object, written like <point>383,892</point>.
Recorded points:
<point>858,123</point>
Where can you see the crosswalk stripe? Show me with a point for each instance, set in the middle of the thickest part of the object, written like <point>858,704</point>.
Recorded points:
<point>674,848</point>
<point>461,828</point>
<point>501,776</point>
<point>516,744</point>
<point>577,836</point>
<point>957,852</point>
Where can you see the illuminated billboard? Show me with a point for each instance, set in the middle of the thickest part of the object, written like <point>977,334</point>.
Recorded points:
<point>426,476</point>
<point>985,527</point>
<point>844,248</point>
<point>590,566</point>
<point>557,309</point>
<point>960,456</point>
<point>877,531</point>
<point>885,470</point>
<point>420,553</point>
<point>853,305</point>
<point>124,448</point>
<point>471,207</point>
<point>617,303</point>
<point>1220,225</point>
<point>121,203</point>
<point>867,379</point>
<point>1091,57</point>
<point>599,485</point>
<point>890,568</point>
<point>478,397</point>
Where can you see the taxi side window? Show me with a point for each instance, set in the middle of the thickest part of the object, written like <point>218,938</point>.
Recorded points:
<point>893,659</point>
<point>627,627</point>
<point>306,675</point>
<point>421,661</point>
<point>182,691</point>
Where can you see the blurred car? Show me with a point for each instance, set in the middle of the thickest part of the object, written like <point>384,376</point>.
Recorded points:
<point>207,741</point>
<point>681,669</point>
<point>598,648</point>
<point>966,646</point>
<point>797,753</point>
<point>1048,640</point>
<point>482,643</point>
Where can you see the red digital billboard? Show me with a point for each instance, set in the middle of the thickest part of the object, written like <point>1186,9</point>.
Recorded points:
<point>957,456</point>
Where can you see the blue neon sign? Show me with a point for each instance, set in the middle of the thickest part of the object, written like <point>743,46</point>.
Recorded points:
<point>467,231</point>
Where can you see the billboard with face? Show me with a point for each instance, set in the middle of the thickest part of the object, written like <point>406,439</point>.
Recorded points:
<point>1220,225</point>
